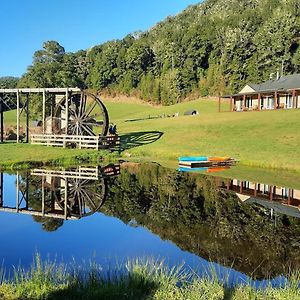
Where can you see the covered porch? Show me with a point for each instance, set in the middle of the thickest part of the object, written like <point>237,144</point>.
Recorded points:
<point>260,101</point>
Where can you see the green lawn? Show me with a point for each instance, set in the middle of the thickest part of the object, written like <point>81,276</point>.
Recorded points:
<point>262,139</point>
<point>269,139</point>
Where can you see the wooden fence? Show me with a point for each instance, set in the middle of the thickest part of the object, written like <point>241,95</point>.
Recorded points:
<point>79,141</point>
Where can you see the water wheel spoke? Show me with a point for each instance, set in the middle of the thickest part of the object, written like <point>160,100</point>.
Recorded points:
<point>96,123</point>
<point>87,129</point>
<point>90,109</point>
<point>89,201</point>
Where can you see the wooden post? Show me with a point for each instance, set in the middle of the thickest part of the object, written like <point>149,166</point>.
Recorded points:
<point>259,102</point>
<point>27,118</point>
<point>275,100</point>
<point>18,116</point>
<point>219,104</point>
<point>43,195</point>
<point>1,189</point>
<point>241,187</point>
<point>67,111</point>
<point>289,197</point>
<point>271,192</point>
<point>294,98</point>
<point>255,189</point>
<point>17,193</point>
<point>231,103</point>
<point>66,199</point>
<point>1,121</point>
<point>44,111</point>
<point>244,102</point>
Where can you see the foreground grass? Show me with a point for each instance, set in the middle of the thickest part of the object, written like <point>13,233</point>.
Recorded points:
<point>134,280</point>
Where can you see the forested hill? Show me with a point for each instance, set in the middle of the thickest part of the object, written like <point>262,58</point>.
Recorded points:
<point>210,48</point>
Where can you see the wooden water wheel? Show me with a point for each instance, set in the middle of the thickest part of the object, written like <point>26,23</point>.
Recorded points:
<point>82,113</point>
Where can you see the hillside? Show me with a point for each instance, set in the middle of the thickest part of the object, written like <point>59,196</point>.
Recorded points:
<point>210,48</point>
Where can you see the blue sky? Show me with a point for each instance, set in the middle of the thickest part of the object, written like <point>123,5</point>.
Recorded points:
<point>75,24</point>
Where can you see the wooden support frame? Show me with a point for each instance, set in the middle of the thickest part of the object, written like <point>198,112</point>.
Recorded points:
<point>27,91</point>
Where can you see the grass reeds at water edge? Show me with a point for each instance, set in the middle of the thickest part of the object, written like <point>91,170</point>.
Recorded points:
<point>135,279</point>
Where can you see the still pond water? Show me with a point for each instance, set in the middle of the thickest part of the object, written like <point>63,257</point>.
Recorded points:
<point>242,230</point>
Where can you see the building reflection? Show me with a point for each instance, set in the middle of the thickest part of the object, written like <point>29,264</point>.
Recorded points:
<point>66,194</point>
<point>282,200</point>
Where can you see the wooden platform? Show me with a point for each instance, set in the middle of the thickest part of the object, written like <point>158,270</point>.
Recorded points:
<point>92,142</point>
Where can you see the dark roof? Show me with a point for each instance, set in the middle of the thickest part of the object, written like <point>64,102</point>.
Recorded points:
<point>285,83</point>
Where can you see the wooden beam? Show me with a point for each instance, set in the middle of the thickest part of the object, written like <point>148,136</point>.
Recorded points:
<point>244,102</point>
<point>259,101</point>
<point>44,111</point>
<point>219,104</point>
<point>18,116</point>
<point>1,121</point>
<point>255,190</point>
<point>27,118</point>
<point>40,90</point>
<point>275,100</point>
<point>67,111</point>
<point>231,100</point>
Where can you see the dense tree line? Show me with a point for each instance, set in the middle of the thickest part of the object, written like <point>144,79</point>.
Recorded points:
<point>209,49</point>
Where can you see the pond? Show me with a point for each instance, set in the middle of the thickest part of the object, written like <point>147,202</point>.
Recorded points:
<point>239,230</point>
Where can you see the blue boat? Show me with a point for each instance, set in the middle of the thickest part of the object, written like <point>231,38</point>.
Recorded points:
<point>193,158</point>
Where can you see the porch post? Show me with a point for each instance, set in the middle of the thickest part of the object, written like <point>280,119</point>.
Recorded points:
<point>231,103</point>
<point>275,100</point>
<point>255,190</point>
<point>259,101</point>
<point>219,104</point>
<point>244,102</point>
<point>271,192</point>
<point>294,98</point>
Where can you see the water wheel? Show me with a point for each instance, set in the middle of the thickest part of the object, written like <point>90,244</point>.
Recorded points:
<point>86,115</point>
<point>85,197</point>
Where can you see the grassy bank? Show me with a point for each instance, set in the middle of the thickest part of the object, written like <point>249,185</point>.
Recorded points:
<point>137,280</point>
<point>269,139</point>
<point>17,156</point>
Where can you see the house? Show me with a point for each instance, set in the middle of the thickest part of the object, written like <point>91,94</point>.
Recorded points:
<point>280,93</point>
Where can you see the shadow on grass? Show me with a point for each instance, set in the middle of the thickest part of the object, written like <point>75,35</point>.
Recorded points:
<point>133,287</point>
<point>136,139</point>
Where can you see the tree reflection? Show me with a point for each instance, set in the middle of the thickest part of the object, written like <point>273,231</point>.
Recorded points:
<point>192,212</point>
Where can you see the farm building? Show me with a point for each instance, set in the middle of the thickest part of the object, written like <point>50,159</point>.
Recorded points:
<point>280,93</point>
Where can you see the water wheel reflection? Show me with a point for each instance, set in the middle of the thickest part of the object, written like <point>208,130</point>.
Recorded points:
<point>80,197</point>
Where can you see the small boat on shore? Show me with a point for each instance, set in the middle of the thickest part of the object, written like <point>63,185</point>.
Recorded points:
<point>204,161</point>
